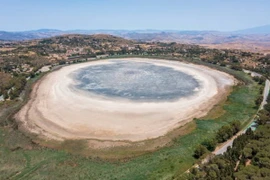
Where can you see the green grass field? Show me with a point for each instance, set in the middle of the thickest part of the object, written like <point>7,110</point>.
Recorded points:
<point>20,159</point>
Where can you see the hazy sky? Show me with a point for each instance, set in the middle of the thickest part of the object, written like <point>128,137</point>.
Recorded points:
<point>223,15</point>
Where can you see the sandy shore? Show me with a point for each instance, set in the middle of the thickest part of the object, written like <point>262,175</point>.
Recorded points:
<point>57,111</point>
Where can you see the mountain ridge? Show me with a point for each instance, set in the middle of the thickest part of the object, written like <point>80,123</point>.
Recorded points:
<point>256,30</point>
<point>253,39</point>
<point>46,33</point>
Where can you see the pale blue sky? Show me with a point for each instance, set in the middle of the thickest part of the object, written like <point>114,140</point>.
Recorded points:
<point>222,15</point>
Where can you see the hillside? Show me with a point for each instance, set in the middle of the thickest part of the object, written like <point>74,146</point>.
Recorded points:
<point>66,46</point>
<point>28,35</point>
<point>85,40</point>
<point>256,30</point>
<point>255,39</point>
<point>248,42</point>
<point>74,46</point>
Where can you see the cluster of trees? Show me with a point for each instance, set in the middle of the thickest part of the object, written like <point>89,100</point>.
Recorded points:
<point>264,68</point>
<point>222,135</point>
<point>236,67</point>
<point>267,106</point>
<point>222,166</point>
<point>5,84</point>
<point>248,158</point>
<point>12,88</point>
<point>228,131</point>
<point>259,80</point>
<point>13,74</point>
<point>264,114</point>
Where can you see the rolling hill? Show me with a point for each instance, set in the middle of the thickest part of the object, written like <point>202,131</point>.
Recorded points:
<point>256,30</point>
<point>254,39</point>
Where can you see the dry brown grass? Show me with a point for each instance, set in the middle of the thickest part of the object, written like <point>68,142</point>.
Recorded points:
<point>6,49</point>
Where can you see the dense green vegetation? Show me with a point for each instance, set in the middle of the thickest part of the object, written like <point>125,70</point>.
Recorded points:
<point>21,159</point>
<point>228,131</point>
<point>265,68</point>
<point>248,158</point>
<point>222,135</point>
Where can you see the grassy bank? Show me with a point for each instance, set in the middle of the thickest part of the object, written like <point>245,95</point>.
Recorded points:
<point>21,160</point>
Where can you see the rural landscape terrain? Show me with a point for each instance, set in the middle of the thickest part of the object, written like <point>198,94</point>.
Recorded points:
<point>134,90</point>
<point>254,39</point>
<point>24,156</point>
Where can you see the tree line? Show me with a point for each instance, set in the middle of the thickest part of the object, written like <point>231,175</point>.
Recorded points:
<point>248,158</point>
<point>222,135</point>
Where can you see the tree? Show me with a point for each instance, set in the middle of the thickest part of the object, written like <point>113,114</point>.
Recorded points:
<point>267,107</point>
<point>263,119</point>
<point>5,95</point>
<point>264,116</point>
<point>224,133</point>
<point>62,62</point>
<point>247,152</point>
<point>249,172</point>
<point>32,75</point>
<point>259,101</point>
<point>210,144</point>
<point>236,126</point>
<point>250,133</point>
<point>12,94</point>
<point>199,151</point>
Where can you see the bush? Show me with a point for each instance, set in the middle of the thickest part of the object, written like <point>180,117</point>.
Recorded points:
<point>236,67</point>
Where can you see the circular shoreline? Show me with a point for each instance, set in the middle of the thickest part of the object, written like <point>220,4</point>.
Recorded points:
<point>59,112</point>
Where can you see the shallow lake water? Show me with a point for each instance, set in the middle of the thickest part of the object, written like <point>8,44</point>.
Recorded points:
<point>136,81</point>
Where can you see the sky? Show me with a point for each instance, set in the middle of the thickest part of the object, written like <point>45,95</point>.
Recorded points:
<point>220,15</point>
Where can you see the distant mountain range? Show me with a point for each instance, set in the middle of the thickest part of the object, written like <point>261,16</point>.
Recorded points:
<point>256,30</point>
<point>131,34</point>
<point>46,33</point>
<point>253,39</point>
<point>28,35</point>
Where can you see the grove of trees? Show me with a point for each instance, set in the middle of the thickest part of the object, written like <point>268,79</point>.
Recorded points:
<point>248,158</point>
